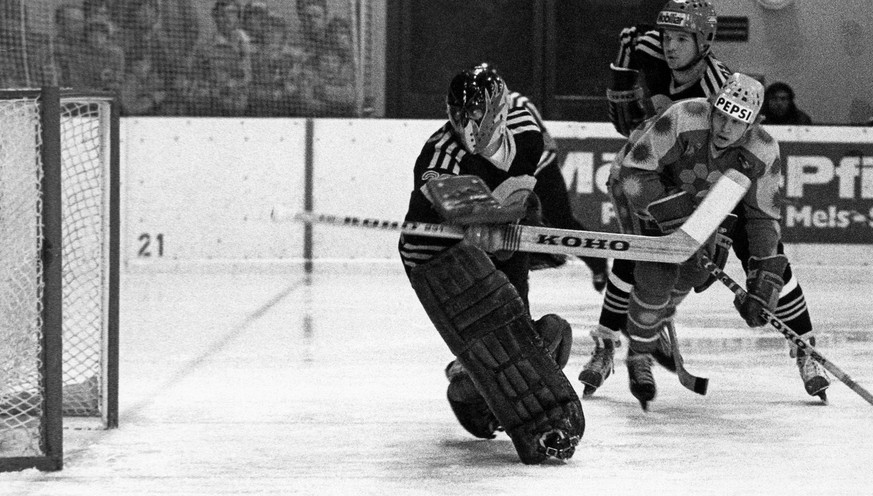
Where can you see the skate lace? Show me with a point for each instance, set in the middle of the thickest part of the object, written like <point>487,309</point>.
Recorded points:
<point>641,368</point>
<point>809,368</point>
<point>600,360</point>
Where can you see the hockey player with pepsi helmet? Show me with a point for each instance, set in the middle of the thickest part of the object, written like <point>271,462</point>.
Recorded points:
<point>659,179</point>
<point>655,67</point>
<point>475,295</point>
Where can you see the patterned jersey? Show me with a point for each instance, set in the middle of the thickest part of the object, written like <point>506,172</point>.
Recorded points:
<point>641,50</point>
<point>673,153</point>
<point>444,155</point>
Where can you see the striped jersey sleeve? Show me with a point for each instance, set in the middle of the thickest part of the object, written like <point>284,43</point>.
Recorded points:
<point>516,99</point>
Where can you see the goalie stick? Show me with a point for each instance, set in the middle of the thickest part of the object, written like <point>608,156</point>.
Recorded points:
<point>676,247</point>
<point>786,331</point>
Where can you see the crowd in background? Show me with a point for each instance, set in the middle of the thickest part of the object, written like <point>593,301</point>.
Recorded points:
<point>157,57</point>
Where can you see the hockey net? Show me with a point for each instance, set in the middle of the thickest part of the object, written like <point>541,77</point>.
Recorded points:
<point>288,58</point>
<point>86,168</point>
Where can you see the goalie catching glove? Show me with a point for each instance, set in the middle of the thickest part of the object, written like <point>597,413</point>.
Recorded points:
<point>626,110</point>
<point>763,284</point>
<point>467,201</point>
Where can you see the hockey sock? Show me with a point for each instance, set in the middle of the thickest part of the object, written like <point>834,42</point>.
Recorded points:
<point>613,312</point>
<point>791,308</point>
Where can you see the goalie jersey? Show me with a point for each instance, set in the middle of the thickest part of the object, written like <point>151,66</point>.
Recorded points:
<point>641,50</point>
<point>672,153</point>
<point>444,155</point>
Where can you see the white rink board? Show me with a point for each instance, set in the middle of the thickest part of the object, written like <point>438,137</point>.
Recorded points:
<point>206,187</point>
<point>364,169</point>
<point>201,190</point>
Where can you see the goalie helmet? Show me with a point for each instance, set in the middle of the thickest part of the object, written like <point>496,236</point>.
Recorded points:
<point>478,106</point>
<point>741,97</point>
<point>696,17</point>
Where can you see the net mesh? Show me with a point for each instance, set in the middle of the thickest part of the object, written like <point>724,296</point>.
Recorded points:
<point>85,179</point>
<point>20,279</point>
<point>197,57</point>
<point>84,157</point>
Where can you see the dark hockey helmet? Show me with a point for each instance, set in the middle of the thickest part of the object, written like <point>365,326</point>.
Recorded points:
<point>477,107</point>
<point>696,17</point>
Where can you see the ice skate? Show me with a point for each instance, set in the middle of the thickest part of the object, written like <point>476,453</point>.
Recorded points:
<point>815,378</point>
<point>642,382</point>
<point>598,368</point>
<point>602,361</point>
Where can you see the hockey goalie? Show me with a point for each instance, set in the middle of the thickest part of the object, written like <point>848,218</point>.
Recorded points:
<point>477,171</point>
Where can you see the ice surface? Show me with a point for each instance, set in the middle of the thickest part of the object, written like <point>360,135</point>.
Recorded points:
<point>279,385</point>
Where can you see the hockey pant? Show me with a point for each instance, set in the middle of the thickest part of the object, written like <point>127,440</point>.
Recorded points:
<point>658,290</point>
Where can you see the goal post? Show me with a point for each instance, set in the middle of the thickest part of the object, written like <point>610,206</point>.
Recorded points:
<point>59,281</point>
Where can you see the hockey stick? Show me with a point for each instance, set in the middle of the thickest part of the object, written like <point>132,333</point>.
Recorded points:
<point>691,382</point>
<point>786,331</point>
<point>672,248</point>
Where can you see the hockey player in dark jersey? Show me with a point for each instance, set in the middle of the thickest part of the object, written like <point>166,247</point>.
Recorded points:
<point>475,296</point>
<point>551,190</point>
<point>655,67</point>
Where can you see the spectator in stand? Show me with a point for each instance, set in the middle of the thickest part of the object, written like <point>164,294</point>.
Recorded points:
<point>313,16</point>
<point>779,107</point>
<point>221,66</point>
<point>69,40</point>
<point>336,92</point>
<point>100,63</point>
<point>25,55</point>
<point>281,83</point>
<point>146,47</point>
<point>255,22</point>
<point>100,11</point>
<point>144,89</point>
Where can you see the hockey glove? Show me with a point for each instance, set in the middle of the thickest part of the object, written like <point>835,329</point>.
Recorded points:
<point>625,97</point>
<point>723,243</point>
<point>763,284</point>
<point>671,211</point>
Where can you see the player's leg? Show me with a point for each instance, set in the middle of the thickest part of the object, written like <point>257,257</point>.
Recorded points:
<point>793,311</point>
<point>647,310</point>
<point>613,319</point>
<point>484,321</point>
<point>557,212</point>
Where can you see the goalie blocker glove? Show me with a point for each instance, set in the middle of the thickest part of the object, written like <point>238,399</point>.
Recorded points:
<point>625,97</point>
<point>763,285</point>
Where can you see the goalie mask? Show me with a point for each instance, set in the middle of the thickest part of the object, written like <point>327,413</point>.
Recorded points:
<point>695,17</point>
<point>478,105</point>
<point>740,98</point>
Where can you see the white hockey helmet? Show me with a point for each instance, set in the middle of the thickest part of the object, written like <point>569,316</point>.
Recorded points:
<point>741,98</point>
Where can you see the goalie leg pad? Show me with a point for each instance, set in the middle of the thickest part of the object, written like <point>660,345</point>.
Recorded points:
<point>483,320</point>
<point>468,405</point>
<point>557,335</point>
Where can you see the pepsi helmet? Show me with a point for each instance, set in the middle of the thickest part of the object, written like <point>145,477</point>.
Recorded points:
<point>741,97</point>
